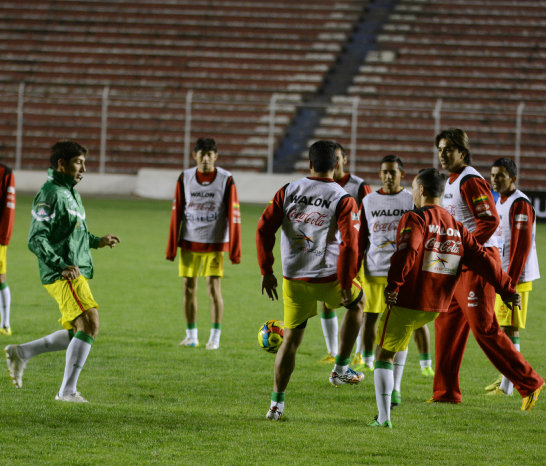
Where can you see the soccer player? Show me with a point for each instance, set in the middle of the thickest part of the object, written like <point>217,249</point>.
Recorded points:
<point>357,188</point>
<point>205,222</point>
<point>516,242</point>
<point>431,249</point>
<point>380,214</point>
<point>468,198</point>
<point>319,247</point>
<point>7,216</point>
<point>61,241</point>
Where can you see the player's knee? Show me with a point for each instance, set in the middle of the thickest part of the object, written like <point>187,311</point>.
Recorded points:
<point>88,322</point>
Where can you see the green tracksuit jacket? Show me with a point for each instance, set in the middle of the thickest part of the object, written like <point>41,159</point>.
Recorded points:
<point>58,231</point>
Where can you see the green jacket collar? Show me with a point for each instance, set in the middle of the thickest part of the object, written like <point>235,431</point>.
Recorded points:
<point>61,178</point>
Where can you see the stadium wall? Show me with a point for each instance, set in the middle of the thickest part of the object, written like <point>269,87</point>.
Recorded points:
<point>256,188</point>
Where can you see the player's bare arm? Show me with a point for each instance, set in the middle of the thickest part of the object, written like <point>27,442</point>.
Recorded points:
<point>346,297</point>
<point>109,240</point>
<point>269,284</point>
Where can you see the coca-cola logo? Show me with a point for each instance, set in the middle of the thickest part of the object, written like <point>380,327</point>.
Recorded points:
<point>443,246</point>
<point>310,218</point>
<point>389,226</point>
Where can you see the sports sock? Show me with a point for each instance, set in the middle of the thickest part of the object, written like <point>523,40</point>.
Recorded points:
<point>215,332</point>
<point>5,304</point>
<point>506,386</point>
<point>425,360</point>
<point>76,355</point>
<point>359,344</point>
<point>369,358</point>
<point>56,341</point>
<point>277,399</point>
<point>341,365</point>
<point>191,331</point>
<point>383,378</point>
<point>398,371</point>
<point>328,320</point>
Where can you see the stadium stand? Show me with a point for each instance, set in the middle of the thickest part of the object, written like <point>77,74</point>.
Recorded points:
<point>482,58</point>
<point>232,54</point>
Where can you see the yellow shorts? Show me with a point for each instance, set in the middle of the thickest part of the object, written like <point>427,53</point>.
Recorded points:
<point>300,299</point>
<point>73,297</point>
<point>396,326</point>
<point>203,264</point>
<point>517,318</point>
<point>3,259</point>
<point>374,288</point>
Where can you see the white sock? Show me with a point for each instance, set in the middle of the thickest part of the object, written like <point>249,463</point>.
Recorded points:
<point>359,342</point>
<point>330,331</point>
<point>191,333</point>
<point>425,363</point>
<point>340,370</point>
<point>506,386</point>
<point>56,341</point>
<point>369,360</point>
<point>278,404</point>
<point>384,383</point>
<point>399,362</point>
<point>76,355</point>
<point>215,335</point>
<point>5,304</point>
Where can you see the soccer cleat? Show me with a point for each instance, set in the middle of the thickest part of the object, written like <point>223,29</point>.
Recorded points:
<point>396,398</point>
<point>328,359</point>
<point>494,385</point>
<point>350,377</point>
<point>212,345</point>
<point>529,401</point>
<point>190,342</point>
<point>5,331</point>
<point>16,365</point>
<point>358,360</point>
<point>375,423</point>
<point>274,414</point>
<point>431,400</point>
<point>428,372</point>
<point>71,397</point>
<point>497,392</point>
<point>364,368</point>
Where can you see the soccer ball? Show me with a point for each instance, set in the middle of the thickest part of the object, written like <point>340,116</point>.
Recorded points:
<point>270,335</point>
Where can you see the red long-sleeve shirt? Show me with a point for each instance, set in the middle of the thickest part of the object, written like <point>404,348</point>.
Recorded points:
<point>231,200</point>
<point>431,248</point>
<point>346,219</point>
<point>7,203</point>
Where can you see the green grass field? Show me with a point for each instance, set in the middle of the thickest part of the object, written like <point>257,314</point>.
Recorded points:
<point>153,402</point>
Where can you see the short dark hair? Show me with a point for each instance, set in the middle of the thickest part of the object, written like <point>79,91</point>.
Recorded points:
<point>205,145</point>
<point>391,158</point>
<point>458,138</point>
<point>432,181</point>
<point>65,150</point>
<point>509,164</point>
<point>322,155</point>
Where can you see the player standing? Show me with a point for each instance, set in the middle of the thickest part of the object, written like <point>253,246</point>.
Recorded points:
<point>516,242</point>
<point>431,249</point>
<point>7,217</point>
<point>205,222</point>
<point>468,198</point>
<point>357,188</point>
<point>319,248</point>
<point>61,241</point>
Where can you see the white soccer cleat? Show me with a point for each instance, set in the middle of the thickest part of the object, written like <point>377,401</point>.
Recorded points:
<point>350,377</point>
<point>71,398</point>
<point>274,414</point>
<point>212,345</point>
<point>16,365</point>
<point>190,342</point>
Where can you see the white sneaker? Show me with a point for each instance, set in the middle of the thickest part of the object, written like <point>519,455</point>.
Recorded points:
<point>16,365</point>
<point>274,414</point>
<point>72,397</point>
<point>213,345</point>
<point>190,342</point>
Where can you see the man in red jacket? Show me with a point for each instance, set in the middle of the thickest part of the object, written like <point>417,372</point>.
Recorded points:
<point>205,222</point>
<point>7,217</point>
<point>432,249</point>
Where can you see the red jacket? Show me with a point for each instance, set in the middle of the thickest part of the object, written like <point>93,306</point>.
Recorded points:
<point>432,247</point>
<point>7,203</point>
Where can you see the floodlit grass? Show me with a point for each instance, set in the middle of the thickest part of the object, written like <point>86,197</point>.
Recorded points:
<point>152,401</point>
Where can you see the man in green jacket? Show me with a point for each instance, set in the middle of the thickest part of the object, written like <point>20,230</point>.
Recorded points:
<point>60,239</point>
